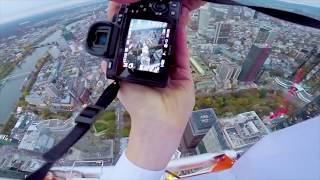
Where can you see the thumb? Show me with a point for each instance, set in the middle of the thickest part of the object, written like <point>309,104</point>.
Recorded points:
<point>114,6</point>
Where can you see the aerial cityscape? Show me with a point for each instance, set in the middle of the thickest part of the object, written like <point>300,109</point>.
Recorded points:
<point>253,75</point>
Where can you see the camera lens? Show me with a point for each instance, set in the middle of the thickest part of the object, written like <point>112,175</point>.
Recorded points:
<point>159,7</point>
<point>101,38</point>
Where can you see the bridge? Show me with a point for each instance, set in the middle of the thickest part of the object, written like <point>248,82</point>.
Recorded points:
<point>15,76</point>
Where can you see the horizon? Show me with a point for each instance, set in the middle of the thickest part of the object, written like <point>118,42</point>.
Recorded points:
<point>15,10</point>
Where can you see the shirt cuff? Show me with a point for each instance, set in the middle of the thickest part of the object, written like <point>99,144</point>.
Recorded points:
<point>126,170</point>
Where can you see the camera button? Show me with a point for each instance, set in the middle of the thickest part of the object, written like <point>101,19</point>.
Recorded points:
<point>174,4</point>
<point>110,65</point>
<point>172,13</point>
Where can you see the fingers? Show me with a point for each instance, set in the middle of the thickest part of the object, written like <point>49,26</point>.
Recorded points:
<point>113,8</point>
<point>181,50</point>
<point>115,5</point>
<point>104,66</point>
<point>192,4</point>
<point>181,69</point>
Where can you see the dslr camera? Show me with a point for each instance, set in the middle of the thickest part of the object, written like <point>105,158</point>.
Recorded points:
<point>138,43</point>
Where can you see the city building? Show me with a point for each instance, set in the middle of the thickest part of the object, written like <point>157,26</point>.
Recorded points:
<point>204,16</point>
<point>311,72</point>
<point>56,125</point>
<point>198,126</point>
<point>311,110</point>
<point>214,141</point>
<point>254,61</point>
<point>243,130</point>
<point>85,96</point>
<point>194,20</point>
<point>228,71</point>
<point>35,140</point>
<point>52,90</point>
<point>35,99</point>
<point>64,104</point>
<point>265,36</point>
<point>31,165</point>
<point>6,140</point>
<point>104,152</point>
<point>25,119</point>
<point>54,52</point>
<point>222,31</point>
<point>203,85</point>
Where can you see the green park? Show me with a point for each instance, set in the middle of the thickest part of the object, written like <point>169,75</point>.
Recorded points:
<point>263,101</point>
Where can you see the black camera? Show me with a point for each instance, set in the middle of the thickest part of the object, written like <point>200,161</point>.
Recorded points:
<point>138,44</point>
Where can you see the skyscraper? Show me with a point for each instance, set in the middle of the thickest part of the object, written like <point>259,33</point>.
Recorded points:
<point>228,71</point>
<point>222,33</point>
<point>198,126</point>
<point>204,16</point>
<point>255,59</point>
<point>265,36</point>
<point>311,110</point>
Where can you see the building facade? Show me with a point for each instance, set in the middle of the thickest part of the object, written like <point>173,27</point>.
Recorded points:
<point>311,110</point>
<point>198,126</point>
<point>253,63</point>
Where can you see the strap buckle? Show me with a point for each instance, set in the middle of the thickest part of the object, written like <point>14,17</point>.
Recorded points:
<point>89,114</point>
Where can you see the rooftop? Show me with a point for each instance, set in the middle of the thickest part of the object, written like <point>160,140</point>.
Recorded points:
<point>202,120</point>
<point>243,130</point>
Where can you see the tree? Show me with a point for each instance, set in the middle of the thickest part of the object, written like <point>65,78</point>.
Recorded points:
<point>263,93</point>
<point>125,132</point>
<point>46,113</point>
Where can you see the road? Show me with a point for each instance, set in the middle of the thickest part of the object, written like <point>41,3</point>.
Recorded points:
<point>119,125</point>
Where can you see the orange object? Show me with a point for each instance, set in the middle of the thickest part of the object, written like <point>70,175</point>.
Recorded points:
<point>223,163</point>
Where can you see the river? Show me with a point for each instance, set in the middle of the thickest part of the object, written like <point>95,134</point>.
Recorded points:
<point>10,92</point>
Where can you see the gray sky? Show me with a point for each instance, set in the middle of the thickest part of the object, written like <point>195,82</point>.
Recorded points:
<point>315,3</point>
<point>16,9</point>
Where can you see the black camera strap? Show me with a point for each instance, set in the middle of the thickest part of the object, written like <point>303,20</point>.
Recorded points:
<point>84,121</point>
<point>277,13</point>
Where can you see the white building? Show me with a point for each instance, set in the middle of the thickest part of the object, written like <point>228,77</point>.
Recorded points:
<point>228,71</point>
<point>204,16</point>
<point>243,130</point>
<point>35,99</point>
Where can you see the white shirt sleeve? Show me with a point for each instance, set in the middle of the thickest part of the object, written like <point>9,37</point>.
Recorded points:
<point>126,170</point>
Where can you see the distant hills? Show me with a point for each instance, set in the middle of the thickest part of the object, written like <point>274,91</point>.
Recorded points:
<point>306,10</point>
<point>13,27</point>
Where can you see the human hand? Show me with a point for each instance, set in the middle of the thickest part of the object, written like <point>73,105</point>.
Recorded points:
<point>159,115</point>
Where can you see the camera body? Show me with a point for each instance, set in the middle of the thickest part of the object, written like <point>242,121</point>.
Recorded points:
<point>138,44</point>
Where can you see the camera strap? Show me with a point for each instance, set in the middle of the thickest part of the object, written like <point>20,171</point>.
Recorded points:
<point>83,123</point>
<point>277,13</point>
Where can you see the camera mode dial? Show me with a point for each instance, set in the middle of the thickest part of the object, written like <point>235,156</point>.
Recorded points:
<point>159,7</point>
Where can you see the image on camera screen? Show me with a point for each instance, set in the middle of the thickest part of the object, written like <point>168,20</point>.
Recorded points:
<point>145,45</point>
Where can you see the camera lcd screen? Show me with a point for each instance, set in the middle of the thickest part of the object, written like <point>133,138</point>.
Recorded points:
<point>146,45</point>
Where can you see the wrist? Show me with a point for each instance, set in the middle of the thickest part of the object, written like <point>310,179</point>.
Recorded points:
<point>151,146</point>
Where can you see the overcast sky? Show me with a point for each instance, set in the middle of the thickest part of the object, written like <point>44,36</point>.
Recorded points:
<point>315,3</point>
<point>16,9</point>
